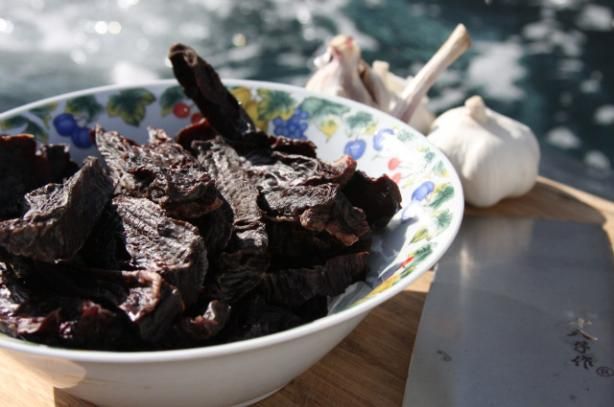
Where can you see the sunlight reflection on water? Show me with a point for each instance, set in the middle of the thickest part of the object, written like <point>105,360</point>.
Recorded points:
<point>542,62</point>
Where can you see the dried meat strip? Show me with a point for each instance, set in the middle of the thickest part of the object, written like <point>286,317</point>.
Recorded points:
<point>59,217</point>
<point>23,168</point>
<point>308,191</point>
<point>139,235</point>
<point>202,84</point>
<point>29,311</point>
<point>253,317</point>
<point>296,286</point>
<point>380,198</point>
<point>247,253</point>
<point>199,131</point>
<point>161,171</point>
<point>216,229</point>
<point>291,245</point>
<point>286,145</point>
<point>190,331</point>
<point>293,169</point>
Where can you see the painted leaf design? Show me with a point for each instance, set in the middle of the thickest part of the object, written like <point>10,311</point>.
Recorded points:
<point>251,107</point>
<point>86,107</point>
<point>242,94</point>
<point>358,120</point>
<point>130,105</point>
<point>275,103</point>
<point>37,131</point>
<point>13,122</point>
<point>316,107</point>
<point>44,112</point>
<point>442,194</point>
<point>21,124</point>
<point>422,253</point>
<point>440,169</point>
<point>328,127</point>
<point>443,219</point>
<point>404,135</point>
<point>169,97</point>
<point>421,234</point>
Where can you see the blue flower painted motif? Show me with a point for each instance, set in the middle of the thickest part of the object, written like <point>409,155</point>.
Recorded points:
<point>423,191</point>
<point>355,148</point>
<point>378,139</point>
<point>294,127</point>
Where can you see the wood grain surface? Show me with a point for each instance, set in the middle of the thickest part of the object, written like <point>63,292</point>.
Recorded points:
<point>369,367</point>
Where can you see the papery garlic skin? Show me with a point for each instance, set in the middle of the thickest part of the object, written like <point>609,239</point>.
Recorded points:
<point>495,156</point>
<point>338,72</point>
<point>422,119</point>
<point>342,72</point>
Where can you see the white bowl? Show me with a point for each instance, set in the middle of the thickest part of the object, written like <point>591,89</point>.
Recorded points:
<point>243,372</point>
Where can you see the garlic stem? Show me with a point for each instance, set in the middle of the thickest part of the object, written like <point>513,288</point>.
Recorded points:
<point>458,42</point>
<point>477,109</point>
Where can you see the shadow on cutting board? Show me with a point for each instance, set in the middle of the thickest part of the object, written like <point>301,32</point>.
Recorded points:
<point>546,201</point>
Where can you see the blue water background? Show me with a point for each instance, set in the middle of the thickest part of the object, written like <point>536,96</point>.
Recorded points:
<point>548,63</point>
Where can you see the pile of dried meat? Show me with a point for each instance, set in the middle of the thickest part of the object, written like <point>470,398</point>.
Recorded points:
<point>220,234</point>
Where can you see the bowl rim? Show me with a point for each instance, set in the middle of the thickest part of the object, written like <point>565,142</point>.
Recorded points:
<point>313,327</point>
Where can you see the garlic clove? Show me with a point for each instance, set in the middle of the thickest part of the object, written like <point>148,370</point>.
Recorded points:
<point>376,87</point>
<point>340,76</point>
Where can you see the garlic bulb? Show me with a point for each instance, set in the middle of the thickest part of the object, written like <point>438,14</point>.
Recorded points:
<point>342,72</point>
<point>494,155</point>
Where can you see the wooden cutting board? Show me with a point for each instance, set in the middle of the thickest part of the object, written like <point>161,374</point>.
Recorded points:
<point>369,367</point>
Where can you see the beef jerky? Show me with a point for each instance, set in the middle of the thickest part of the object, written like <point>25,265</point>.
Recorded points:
<point>253,317</point>
<point>315,308</point>
<point>202,84</point>
<point>296,286</point>
<point>149,302</point>
<point>199,131</point>
<point>145,299</point>
<point>222,110</point>
<point>307,190</point>
<point>197,330</point>
<point>161,171</point>
<point>59,217</point>
<point>317,208</point>
<point>279,168</point>
<point>291,245</point>
<point>246,255</point>
<point>286,145</point>
<point>54,164</point>
<point>216,229</point>
<point>380,198</point>
<point>38,315</point>
<point>23,169</point>
<point>143,237</point>
<point>345,222</point>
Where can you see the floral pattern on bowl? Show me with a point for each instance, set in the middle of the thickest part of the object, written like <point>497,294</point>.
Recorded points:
<point>432,197</point>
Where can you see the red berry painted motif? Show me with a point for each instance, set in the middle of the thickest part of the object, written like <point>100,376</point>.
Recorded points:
<point>396,177</point>
<point>181,110</point>
<point>196,117</point>
<point>393,163</point>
